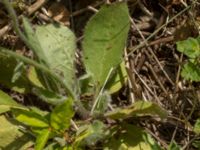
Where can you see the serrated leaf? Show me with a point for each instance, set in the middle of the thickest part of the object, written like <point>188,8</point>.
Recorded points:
<point>118,80</point>
<point>191,72</point>
<point>6,103</point>
<point>129,137</point>
<point>138,109</point>
<point>189,47</point>
<point>58,46</point>
<point>31,118</point>
<point>104,41</point>
<point>61,115</point>
<point>42,139</point>
<point>11,137</point>
<point>7,65</point>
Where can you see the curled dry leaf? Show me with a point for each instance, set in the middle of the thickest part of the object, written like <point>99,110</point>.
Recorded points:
<point>59,13</point>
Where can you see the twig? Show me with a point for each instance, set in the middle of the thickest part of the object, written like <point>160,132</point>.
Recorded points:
<point>133,49</point>
<point>33,8</point>
<point>152,53</point>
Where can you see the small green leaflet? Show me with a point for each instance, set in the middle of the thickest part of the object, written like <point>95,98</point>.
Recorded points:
<point>105,38</point>
<point>191,71</point>
<point>190,48</point>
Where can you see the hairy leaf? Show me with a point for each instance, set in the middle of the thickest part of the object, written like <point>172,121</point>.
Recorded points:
<point>58,46</point>
<point>49,96</point>
<point>90,134</point>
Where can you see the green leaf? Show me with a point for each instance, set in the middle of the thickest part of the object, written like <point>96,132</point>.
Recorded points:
<point>191,72</point>
<point>7,65</point>
<point>138,109</point>
<point>6,103</point>
<point>11,137</point>
<point>197,127</point>
<point>189,47</point>
<point>58,47</point>
<point>42,139</point>
<point>129,137</point>
<point>61,115</point>
<point>30,118</point>
<point>118,80</point>
<point>104,41</point>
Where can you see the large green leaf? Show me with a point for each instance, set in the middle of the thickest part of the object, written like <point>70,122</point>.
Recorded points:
<point>7,65</point>
<point>104,41</point>
<point>61,115</point>
<point>58,46</point>
<point>6,103</point>
<point>139,108</point>
<point>11,137</point>
<point>42,139</point>
<point>130,137</point>
<point>31,118</point>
